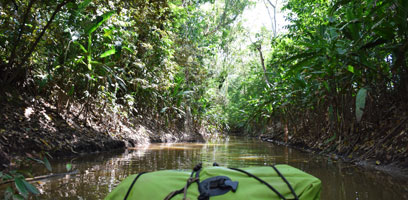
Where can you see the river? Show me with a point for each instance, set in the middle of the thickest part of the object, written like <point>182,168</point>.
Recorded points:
<point>100,173</point>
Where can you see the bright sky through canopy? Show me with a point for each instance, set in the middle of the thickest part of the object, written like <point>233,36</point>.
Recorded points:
<point>257,16</point>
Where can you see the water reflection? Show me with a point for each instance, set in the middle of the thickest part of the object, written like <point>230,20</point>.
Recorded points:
<point>100,173</point>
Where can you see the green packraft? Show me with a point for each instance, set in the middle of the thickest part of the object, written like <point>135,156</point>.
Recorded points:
<point>216,183</point>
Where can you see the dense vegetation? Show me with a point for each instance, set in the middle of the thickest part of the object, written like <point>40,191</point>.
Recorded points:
<point>337,78</point>
<point>133,58</point>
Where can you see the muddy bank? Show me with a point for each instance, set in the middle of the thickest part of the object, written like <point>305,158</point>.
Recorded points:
<point>388,154</point>
<point>32,125</point>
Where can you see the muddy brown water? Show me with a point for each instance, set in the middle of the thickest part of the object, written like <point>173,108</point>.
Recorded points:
<point>100,173</point>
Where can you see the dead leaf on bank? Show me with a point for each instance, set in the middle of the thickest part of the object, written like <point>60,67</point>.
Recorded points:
<point>377,162</point>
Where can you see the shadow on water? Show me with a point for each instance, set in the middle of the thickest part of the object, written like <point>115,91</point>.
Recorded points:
<point>100,173</point>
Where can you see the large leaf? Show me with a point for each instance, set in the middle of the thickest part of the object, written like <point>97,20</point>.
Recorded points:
<point>100,20</point>
<point>360,103</point>
<point>21,186</point>
<point>31,188</point>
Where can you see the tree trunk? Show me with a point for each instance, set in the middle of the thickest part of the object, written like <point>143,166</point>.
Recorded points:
<point>263,65</point>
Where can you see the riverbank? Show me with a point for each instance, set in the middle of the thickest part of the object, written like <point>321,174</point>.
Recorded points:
<point>387,153</point>
<point>32,126</point>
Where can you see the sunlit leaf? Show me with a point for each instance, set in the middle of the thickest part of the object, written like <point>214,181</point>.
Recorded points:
<point>129,49</point>
<point>81,47</point>
<point>69,166</point>
<point>350,69</point>
<point>108,53</point>
<point>100,20</point>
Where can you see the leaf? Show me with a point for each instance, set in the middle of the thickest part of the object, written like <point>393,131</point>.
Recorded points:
<point>31,188</point>
<point>20,186</point>
<point>108,53</point>
<point>37,160</point>
<point>341,51</point>
<point>81,47</point>
<point>8,193</point>
<point>47,164</point>
<point>7,177</point>
<point>69,166</point>
<point>83,5</point>
<point>164,109</point>
<point>129,49</point>
<point>330,139</point>
<point>188,92</point>
<point>17,197</point>
<point>100,21</point>
<point>360,103</point>
<point>350,69</point>
<point>377,162</point>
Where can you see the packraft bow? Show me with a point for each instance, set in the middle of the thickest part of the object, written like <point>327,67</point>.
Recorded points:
<point>216,183</point>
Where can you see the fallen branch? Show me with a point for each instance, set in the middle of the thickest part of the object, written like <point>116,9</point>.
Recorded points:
<point>38,178</point>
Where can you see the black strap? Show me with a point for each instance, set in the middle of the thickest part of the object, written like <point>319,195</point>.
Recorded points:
<point>131,185</point>
<point>286,181</point>
<point>262,181</point>
<point>191,180</point>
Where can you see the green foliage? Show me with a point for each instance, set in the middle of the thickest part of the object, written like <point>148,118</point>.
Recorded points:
<point>69,167</point>
<point>23,189</point>
<point>319,70</point>
<point>138,59</point>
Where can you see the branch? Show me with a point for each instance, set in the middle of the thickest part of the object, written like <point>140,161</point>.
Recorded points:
<point>221,25</point>
<point>222,19</point>
<point>38,178</point>
<point>273,6</point>
<point>57,9</point>
<point>259,48</point>
<point>274,16</point>
<point>21,30</point>
<point>270,17</point>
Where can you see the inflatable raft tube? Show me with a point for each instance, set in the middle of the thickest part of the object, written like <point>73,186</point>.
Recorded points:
<point>220,183</point>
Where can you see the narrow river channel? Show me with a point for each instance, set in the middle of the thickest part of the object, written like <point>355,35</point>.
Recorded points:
<point>100,173</point>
